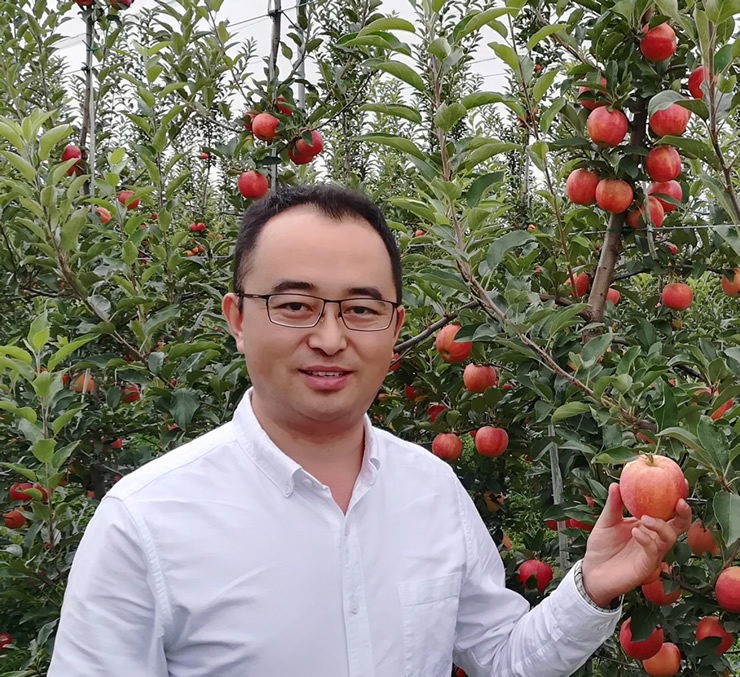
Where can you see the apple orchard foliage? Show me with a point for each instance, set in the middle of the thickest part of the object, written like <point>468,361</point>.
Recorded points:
<point>114,347</point>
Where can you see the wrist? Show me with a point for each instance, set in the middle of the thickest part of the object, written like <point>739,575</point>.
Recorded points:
<point>604,599</point>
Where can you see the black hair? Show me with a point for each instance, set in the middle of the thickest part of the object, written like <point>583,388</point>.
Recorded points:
<point>332,200</point>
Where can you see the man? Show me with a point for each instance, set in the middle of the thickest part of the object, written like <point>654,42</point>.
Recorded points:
<point>297,539</point>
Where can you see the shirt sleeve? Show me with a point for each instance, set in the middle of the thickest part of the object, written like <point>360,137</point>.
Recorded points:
<point>111,623</point>
<point>497,633</point>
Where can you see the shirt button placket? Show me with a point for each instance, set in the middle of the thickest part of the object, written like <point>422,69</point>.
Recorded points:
<point>359,649</point>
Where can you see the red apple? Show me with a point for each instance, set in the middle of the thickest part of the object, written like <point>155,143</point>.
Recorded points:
<point>120,4</point>
<point>598,94</point>
<point>651,485</point>
<point>698,75</point>
<point>653,576</point>
<point>5,638</point>
<point>665,663</point>
<point>580,285</point>
<point>672,120</point>
<point>659,43</point>
<point>419,233</point>
<point>447,446</point>
<point>104,214</point>
<point>672,248</point>
<point>727,589</point>
<point>731,287</point>
<point>581,186</point>
<point>283,109</point>
<point>709,626</point>
<point>71,151</point>
<point>477,378</point>
<point>669,188</point>
<point>264,126</point>
<point>576,524</point>
<point>613,295</point>
<point>434,410</point>
<point>411,392</point>
<point>83,3</point>
<point>636,219</point>
<point>124,197</point>
<point>252,184</point>
<point>552,524</point>
<point>317,145</point>
<point>395,362</point>
<point>540,570</point>
<point>299,158</point>
<point>130,393</point>
<point>204,156</point>
<point>490,441</point>
<point>700,540</point>
<point>44,493</point>
<point>607,127</point>
<point>448,350</point>
<point>655,592</point>
<point>614,195</point>
<point>677,296</point>
<point>117,444</point>
<point>647,648</point>
<point>14,519</point>
<point>16,491</point>
<point>663,163</point>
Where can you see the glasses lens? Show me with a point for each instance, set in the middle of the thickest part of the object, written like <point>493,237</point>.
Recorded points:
<point>294,310</point>
<point>367,314</point>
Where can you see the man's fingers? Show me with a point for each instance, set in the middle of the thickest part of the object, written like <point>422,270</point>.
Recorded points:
<point>613,510</point>
<point>682,521</point>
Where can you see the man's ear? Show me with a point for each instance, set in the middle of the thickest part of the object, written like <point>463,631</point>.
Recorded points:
<point>233,316</point>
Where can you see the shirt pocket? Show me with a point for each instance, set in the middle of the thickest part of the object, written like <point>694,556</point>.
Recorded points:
<point>429,617</point>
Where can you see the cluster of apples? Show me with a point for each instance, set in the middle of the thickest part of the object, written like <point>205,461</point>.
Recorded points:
<point>264,126</point>
<point>607,127</point>
<point>651,485</point>
<point>489,440</point>
<point>15,519</point>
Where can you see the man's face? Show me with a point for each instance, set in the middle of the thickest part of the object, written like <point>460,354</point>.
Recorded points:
<point>327,258</point>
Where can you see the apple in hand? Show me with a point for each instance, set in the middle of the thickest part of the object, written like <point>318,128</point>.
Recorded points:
<point>652,485</point>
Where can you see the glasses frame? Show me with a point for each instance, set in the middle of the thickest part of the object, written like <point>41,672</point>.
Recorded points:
<point>266,299</point>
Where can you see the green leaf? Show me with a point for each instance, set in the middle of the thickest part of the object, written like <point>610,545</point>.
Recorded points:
<point>51,138</point>
<point>481,99</point>
<point>448,114</point>
<point>477,20</point>
<point>388,24</point>
<point>616,455</point>
<point>507,55</point>
<point>543,83</point>
<point>541,34</point>
<point>402,72</point>
<point>184,349</point>
<point>66,351</point>
<point>488,151</point>
<point>38,334</point>
<point>394,110</point>
<point>481,185</point>
<point>726,509</point>
<point>440,48</point>
<point>565,317</point>
<point>26,472</point>
<point>713,440</point>
<point>595,348</point>
<point>21,164</point>
<point>398,142</point>
<point>24,412</point>
<point>664,100</point>
<point>667,414</point>
<point>65,418</point>
<point>503,244</point>
<point>569,410</point>
<point>43,450</point>
<point>731,235</point>
<point>167,314</point>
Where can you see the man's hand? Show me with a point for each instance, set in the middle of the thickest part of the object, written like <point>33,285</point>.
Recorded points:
<point>621,553</point>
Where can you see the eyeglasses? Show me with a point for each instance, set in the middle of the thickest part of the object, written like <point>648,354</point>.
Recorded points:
<point>303,311</point>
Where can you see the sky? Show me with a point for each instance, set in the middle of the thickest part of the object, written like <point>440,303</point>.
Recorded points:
<point>250,20</point>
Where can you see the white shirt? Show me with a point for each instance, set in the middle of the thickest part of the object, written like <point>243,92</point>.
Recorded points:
<point>224,558</point>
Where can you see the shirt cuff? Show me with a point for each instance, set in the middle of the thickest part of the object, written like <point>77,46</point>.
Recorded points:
<point>578,580</point>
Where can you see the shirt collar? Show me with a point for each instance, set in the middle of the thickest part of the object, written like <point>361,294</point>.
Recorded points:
<point>277,465</point>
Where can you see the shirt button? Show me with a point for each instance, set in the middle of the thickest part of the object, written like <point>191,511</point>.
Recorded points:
<point>354,608</point>
<point>286,491</point>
